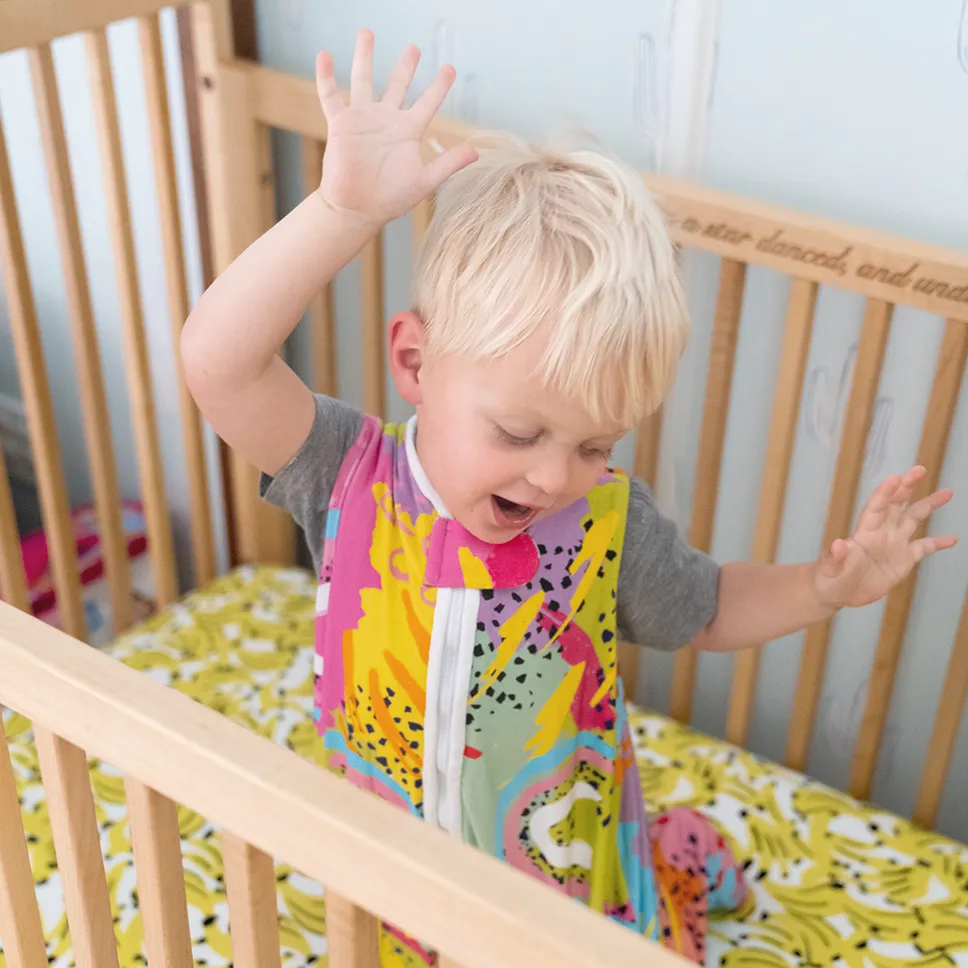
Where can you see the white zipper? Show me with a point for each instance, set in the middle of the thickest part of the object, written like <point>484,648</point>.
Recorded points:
<point>448,674</point>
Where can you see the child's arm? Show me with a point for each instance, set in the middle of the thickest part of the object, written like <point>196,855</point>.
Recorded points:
<point>373,172</point>
<point>759,603</point>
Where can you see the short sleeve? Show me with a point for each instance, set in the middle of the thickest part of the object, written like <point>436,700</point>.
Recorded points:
<point>304,486</point>
<point>667,591</point>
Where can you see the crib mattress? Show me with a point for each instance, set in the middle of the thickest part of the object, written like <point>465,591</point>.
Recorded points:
<point>832,881</point>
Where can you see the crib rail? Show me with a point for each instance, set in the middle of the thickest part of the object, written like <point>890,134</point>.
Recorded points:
<point>376,860</point>
<point>39,23</point>
<point>30,23</point>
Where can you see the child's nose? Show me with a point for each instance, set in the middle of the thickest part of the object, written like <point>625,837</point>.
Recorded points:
<point>549,475</point>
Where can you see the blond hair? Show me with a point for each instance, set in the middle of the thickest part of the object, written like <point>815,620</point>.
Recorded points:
<point>529,237</point>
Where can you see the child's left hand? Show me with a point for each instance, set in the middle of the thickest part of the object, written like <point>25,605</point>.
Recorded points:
<point>881,553</point>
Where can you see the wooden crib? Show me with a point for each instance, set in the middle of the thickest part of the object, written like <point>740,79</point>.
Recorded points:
<point>268,803</point>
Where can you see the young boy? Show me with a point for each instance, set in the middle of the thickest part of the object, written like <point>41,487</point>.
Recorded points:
<point>478,564</point>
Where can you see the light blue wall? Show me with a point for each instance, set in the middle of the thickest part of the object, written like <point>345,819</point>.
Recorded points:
<point>851,110</point>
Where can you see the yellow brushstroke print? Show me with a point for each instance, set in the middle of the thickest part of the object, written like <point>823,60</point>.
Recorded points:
<point>512,633</point>
<point>473,570</point>
<point>554,711</point>
<point>605,688</point>
<point>593,551</point>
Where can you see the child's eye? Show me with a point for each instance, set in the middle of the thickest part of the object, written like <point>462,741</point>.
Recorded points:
<point>513,440</point>
<point>597,453</point>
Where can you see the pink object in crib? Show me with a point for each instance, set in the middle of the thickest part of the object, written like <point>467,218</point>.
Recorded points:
<point>87,547</point>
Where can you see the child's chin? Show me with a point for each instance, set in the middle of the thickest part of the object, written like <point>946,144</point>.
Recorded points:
<point>490,532</point>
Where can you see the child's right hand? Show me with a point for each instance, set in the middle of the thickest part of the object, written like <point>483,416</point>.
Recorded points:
<point>373,165</point>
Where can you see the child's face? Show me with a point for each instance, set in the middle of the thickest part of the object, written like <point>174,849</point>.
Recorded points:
<point>501,450</point>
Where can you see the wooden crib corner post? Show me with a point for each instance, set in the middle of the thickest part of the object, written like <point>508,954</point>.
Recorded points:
<point>238,173</point>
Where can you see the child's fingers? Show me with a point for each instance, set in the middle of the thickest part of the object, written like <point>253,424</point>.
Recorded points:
<point>447,164</point>
<point>361,76</point>
<point>428,104</point>
<point>905,491</point>
<point>921,510</point>
<point>879,503</point>
<point>395,93</point>
<point>326,87</point>
<point>928,546</point>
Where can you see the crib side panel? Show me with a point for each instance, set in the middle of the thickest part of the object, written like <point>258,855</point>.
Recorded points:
<point>29,23</point>
<point>271,805</point>
<point>42,23</point>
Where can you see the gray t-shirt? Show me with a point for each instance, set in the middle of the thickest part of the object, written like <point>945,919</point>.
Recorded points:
<point>667,591</point>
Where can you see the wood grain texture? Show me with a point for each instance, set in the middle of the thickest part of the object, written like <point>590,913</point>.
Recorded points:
<point>719,384</point>
<point>234,153</point>
<point>944,736</point>
<point>250,881</point>
<point>850,462</point>
<point>420,218</point>
<point>373,324</point>
<point>942,405</point>
<point>322,321</point>
<point>20,924</point>
<point>31,23</point>
<point>67,787</point>
<point>166,188</point>
<point>35,387</point>
<point>90,377</point>
<point>773,486</point>
<point>160,876</point>
<point>137,367</point>
<point>352,934</point>
<point>13,580</point>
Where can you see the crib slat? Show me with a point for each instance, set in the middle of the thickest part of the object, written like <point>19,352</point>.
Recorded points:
<point>159,128</point>
<point>20,926</point>
<point>90,377</point>
<point>250,881</point>
<point>67,785</point>
<point>850,462</point>
<point>160,876</point>
<point>420,218</point>
<point>371,278</point>
<point>321,319</point>
<point>722,356</point>
<point>776,474</point>
<point>37,402</point>
<point>647,441</point>
<point>946,725</point>
<point>352,934</point>
<point>234,174</point>
<point>934,441</point>
<point>13,581</point>
<point>138,370</point>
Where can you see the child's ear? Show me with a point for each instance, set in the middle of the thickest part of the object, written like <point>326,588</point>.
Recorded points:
<point>406,348</point>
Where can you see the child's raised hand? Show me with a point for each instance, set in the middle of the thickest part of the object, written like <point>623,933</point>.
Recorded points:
<point>372,165</point>
<point>881,553</point>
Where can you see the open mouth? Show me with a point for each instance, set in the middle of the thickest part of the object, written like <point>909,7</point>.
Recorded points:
<point>510,514</point>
